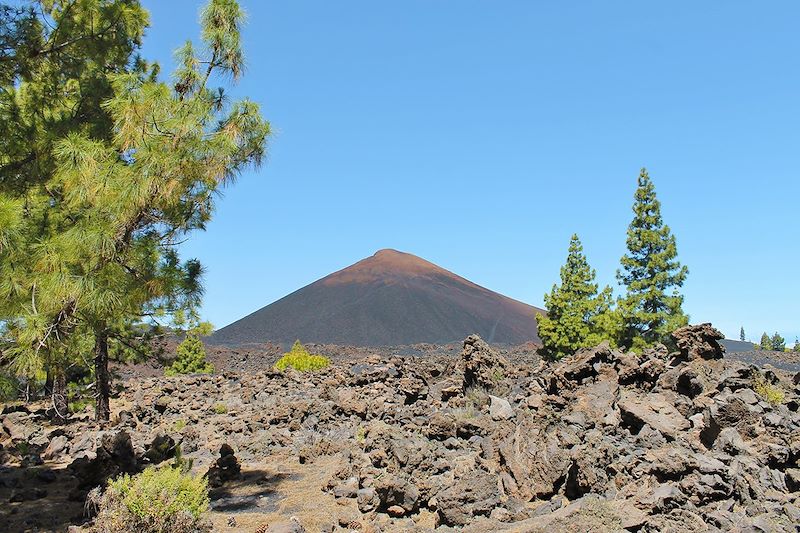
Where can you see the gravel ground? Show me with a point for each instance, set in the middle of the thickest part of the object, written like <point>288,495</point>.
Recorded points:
<point>789,361</point>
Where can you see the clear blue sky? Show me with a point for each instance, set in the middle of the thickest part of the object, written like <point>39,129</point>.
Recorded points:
<point>480,135</point>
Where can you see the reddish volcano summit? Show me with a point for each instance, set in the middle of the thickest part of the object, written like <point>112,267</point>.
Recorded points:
<point>391,298</point>
<point>387,266</point>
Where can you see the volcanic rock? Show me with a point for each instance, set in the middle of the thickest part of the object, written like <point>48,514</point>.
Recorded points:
<point>700,341</point>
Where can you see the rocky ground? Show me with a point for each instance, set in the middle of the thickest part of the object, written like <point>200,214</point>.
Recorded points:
<point>477,441</point>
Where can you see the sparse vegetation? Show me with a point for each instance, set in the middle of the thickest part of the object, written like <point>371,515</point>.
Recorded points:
<point>156,501</point>
<point>361,434</point>
<point>179,424</point>
<point>191,358</point>
<point>220,408</point>
<point>80,404</point>
<point>474,400</point>
<point>299,359</point>
<point>771,393</point>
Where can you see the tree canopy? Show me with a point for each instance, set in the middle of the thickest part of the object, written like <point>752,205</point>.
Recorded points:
<point>651,274</point>
<point>105,169</point>
<point>577,315</point>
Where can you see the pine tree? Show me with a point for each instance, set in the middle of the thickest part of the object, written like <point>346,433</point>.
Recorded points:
<point>577,316</point>
<point>55,73</point>
<point>651,273</point>
<point>796,345</point>
<point>766,342</point>
<point>191,358</point>
<point>741,334</point>
<point>88,250</point>
<point>778,343</point>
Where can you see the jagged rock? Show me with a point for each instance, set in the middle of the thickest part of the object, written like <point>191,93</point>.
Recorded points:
<point>534,462</point>
<point>394,491</point>
<point>19,425</point>
<point>699,342</point>
<point>723,413</point>
<point>361,374</point>
<point>57,446</point>
<point>587,473</point>
<point>226,468</point>
<point>585,364</point>
<point>441,426</point>
<point>368,500</point>
<point>596,401</point>
<point>500,409</point>
<point>604,438</point>
<point>653,409</point>
<point>114,456</point>
<point>483,367</point>
<point>162,404</point>
<point>161,449</point>
<point>346,489</point>
<point>466,499</point>
<point>662,498</point>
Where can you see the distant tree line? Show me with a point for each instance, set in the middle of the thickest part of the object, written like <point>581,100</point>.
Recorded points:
<point>579,314</point>
<point>775,343</point>
<point>771,343</point>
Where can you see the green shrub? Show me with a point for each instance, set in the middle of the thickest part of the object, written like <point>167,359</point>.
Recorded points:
<point>161,500</point>
<point>80,404</point>
<point>220,408</point>
<point>299,359</point>
<point>179,424</point>
<point>191,358</point>
<point>771,393</point>
<point>361,434</point>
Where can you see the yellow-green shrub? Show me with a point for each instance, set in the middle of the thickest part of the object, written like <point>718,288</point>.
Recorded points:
<point>299,359</point>
<point>161,500</point>
<point>771,393</point>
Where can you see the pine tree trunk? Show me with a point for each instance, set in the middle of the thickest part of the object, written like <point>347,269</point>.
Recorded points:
<point>48,384</point>
<point>102,411</point>
<point>59,396</point>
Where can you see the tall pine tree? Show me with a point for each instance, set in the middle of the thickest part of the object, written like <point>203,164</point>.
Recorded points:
<point>100,228</point>
<point>577,316</point>
<point>57,59</point>
<point>741,334</point>
<point>651,274</point>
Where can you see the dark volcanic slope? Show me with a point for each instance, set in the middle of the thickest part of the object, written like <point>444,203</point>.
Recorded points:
<point>391,298</point>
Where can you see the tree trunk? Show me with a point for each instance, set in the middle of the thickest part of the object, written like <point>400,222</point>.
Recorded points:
<point>48,384</point>
<point>59,395</point>
<point>102,411</point>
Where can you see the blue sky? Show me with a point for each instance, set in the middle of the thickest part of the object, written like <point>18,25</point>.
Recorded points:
<point>480,135</point>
